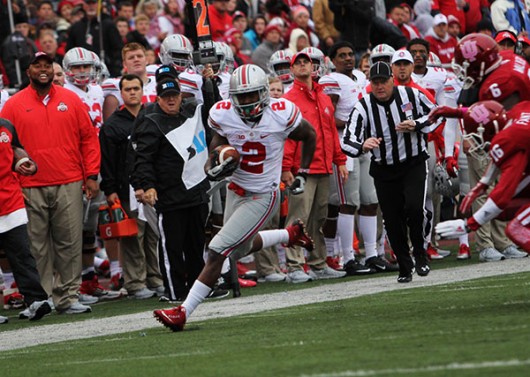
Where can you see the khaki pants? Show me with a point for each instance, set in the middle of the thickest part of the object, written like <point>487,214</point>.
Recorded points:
<point>312,208</point>
<point>140,257</point>
<point>492,233</point>
<point>55,231</point>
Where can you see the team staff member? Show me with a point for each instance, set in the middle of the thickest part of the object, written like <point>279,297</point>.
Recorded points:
<point>55,128</point>
<point>390,123</point>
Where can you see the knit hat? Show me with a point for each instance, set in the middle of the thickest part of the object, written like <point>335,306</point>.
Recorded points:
<point>300,9</point>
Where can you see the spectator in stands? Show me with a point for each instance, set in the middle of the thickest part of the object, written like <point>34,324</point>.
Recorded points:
<point>86,34</point>
<point>300,16</point>
<point>353,20</point>
<point>234,39</point>
<point>423,20</point>
<point>397,17</point>
<point>139,35</point>
<point>171,20</point>
<point>45,13</point>
<point>453,26</point>
<point>64,20</point>
<point>18,48</point>
<point>525,47</point>
<point>298,41</point>
<point>220,19</point>
<point>271,43</point>
<point>48,44</point>
<point>442,44</point>
<point>152,8</point>
<point>324,19</point>
<point>255,33</point>
<point>506,40</point>
<point>410,30</point>
<point>240,22</point>
<point>18,9</point>
<point>510,15</point>
<point>123,27</point>
<point>58,74</point>
<point>126,10</point>
<point>364,65</point>
<point>454,7</point>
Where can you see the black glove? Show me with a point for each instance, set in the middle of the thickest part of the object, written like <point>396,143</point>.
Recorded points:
<point>299,184</point>
<point>219,171</point>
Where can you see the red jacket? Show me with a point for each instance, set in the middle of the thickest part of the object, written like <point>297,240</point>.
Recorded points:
<point>10,193</point>
<point>317,109</point>
<point>219,23</point>
<point>59,136</point>
<point>444,49</point>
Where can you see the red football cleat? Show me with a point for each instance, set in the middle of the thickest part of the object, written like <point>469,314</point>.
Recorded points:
<point>174,318</point>
<point>432,253</point>
<point>246,283</point>
<point>334,263</point>
<point>298,235</point>
<point>463,252</point>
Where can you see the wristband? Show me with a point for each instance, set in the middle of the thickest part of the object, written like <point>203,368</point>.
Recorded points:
<point>303,171</point>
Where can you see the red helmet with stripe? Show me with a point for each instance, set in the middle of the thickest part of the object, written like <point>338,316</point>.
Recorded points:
<point>249,91</point>
<point>482,121</point>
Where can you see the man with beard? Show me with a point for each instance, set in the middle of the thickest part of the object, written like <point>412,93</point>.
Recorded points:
<point>65,147</point>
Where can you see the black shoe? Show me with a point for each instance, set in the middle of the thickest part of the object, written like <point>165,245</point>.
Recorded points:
<point>404,278</point>
<point>355,268</point>
<point>217,293</point>
<point>422,267</point>
<point>381,264</point>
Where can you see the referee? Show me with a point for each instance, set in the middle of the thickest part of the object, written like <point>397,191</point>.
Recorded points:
<point>391,123</point>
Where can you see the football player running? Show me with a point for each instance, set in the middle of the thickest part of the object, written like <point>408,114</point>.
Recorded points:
<point>506,136</point>
<point>257,126</point>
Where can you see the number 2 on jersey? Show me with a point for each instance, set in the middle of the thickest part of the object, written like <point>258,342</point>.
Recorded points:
<point>253,156</point>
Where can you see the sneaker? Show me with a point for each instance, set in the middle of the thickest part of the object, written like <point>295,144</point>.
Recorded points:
<point>24,314</point>
<point>13,299</point>
<point>159,291</point>
<point>511,252</point>
<point>272,278</point>
<point>3,319</point>
<point>404,278</point>
<point>244,272</point>
<point>489,254</point>
<point>298,235</point>
<point>87,299</point>
<point>218,293</point>
<point>174,318</point>
<point>355,268</point>
<point>246,283</point>
<point>463,252</point>
<point>142,294</point>
<point>326,273</point>
<point>422,266</point>
<point>93,288</point>
<point>39,309</point>
<point>380,264</point>
<point>334,263</point>
<point>444,253</point>
<point>116,282</point>
<point>76,308</point>
<point>298,276</point>
<point>432,253</point>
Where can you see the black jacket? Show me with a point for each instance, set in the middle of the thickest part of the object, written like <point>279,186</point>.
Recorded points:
<point>353,19</point>
<point>112,42</point>
<point>158,165</point>
<point>114,141</point>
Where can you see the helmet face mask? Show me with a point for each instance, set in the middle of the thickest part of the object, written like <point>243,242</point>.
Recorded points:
<point>476,56</point>
<point>79,56</point>
<point>225,57</point>
<point>482,122</point>
<point>280,66</point>
<point>382,52</point>
<point>249,92</point>
<point>443,183</point>
<point>176,50</point>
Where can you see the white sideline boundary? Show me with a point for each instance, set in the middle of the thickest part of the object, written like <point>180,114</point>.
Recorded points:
<point>46,334</point>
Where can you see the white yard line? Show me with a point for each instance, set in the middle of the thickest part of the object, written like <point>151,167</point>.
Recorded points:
<point>36,335</point>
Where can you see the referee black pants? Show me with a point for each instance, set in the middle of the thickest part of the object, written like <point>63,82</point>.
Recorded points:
<point>401,190</point>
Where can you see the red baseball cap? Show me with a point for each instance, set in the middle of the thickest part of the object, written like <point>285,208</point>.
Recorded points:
<point>297,55</point>
<point>505,34</point>
<point>524,40</point>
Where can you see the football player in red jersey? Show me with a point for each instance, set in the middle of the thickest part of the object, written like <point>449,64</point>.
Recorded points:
<point>506,136</point>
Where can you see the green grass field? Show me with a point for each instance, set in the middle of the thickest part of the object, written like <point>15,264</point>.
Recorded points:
<point>472,328</point>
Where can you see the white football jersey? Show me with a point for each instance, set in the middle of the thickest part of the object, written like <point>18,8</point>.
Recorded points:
<point>4,96</point>
<point>433,80</point>
<point>261,145</point>
<point>191,82</point>
<point>224,84</point>
<point>111,87</point>
<point>93,99</point>
<point>348,90</point>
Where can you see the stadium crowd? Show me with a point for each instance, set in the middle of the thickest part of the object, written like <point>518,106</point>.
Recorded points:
<point>383,125</point>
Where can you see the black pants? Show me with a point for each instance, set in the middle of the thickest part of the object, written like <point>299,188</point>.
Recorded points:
<point>401,192</point>
<point>15,243</point>
<point>181,248</point>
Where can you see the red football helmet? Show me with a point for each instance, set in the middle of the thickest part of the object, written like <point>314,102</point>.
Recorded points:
<point>476,56</point>
<point>482,121</point>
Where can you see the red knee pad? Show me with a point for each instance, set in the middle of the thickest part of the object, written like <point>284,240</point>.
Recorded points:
<point>518,230</point>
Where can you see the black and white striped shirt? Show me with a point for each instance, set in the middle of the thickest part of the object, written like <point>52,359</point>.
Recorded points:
<point>371,118</point>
